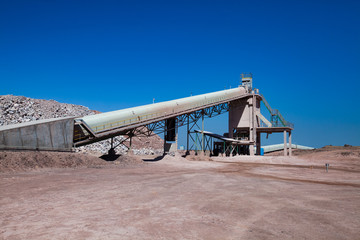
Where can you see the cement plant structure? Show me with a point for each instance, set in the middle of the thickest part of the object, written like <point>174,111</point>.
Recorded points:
<point>246,123</point>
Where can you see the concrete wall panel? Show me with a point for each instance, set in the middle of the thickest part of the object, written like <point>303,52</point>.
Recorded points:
<point>2,139</point>
<point>57,134</point>
<point>28,136</point>
<point>239,114</point>
<point>69,133</point>
<point>43,136</point>
<point>50,134</point>
<point>13,137</point>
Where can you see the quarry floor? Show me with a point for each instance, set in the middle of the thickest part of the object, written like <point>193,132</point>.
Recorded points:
<point>269,197</point>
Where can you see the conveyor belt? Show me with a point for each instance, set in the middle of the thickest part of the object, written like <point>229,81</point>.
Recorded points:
<point>97,127</point>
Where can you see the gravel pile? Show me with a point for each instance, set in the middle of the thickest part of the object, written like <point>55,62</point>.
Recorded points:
<point>18,109</point>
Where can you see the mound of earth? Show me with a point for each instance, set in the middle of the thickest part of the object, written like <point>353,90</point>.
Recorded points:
<point>18,161</point>
<point>198,158</point>
<point>333,152</point>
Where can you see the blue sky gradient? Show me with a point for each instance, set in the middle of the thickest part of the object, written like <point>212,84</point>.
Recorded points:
<point>108,55</point>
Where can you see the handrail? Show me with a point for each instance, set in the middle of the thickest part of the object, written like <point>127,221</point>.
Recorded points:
<point>267,105</point>
<point>275,114</point>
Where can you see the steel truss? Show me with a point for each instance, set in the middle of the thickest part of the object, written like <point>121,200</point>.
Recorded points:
<point>189,119</point>
<point>231,149</point>
<point>181,120</point>
<point>200,142</point>
<point>227,148</point>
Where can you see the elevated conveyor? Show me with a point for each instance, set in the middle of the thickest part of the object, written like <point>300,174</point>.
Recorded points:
<point>63,134</point>
<point>97,127</point>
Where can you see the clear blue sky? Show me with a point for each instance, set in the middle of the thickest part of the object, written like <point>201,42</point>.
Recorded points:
<point>108,55</point>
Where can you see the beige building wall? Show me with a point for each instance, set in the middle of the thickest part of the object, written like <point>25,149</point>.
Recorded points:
<point>241,114</point>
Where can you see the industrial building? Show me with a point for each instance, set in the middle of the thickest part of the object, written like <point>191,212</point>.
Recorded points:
<point>245,126</point>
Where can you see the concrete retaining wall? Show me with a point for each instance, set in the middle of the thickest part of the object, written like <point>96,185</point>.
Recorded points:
<point>49,134</point>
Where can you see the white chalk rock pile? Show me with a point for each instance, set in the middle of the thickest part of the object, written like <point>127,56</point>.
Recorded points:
<point>17,109</point>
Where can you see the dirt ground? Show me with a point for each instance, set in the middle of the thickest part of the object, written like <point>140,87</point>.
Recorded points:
<point>242,197</point>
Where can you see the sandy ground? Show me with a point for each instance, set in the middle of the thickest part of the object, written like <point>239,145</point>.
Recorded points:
<point>267,197</point>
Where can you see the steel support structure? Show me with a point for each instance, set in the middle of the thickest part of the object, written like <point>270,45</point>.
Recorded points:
<point>285,144</point>
<point>198,142</point>
<point>194,142</point>
<point>201,143</point>
<point>231,150</point>
<point>252,130</point>
<point>290,145</point>
<point>123,140</point>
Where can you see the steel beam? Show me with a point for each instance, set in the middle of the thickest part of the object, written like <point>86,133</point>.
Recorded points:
<point>285,144</point>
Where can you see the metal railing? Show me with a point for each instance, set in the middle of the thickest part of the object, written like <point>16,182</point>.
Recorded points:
<point>277,120</point>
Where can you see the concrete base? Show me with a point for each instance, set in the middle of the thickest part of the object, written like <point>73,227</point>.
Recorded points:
<point>252,150</point>
<point>49,135</point>
<point>170,147</point>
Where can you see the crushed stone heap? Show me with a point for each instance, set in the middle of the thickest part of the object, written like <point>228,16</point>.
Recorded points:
<point>19,109</point>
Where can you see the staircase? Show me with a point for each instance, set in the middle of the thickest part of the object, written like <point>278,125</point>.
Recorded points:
<point>277,120</point>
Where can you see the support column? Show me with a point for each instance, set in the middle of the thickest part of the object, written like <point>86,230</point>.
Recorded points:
<point>112,149</point>
<point>251,149</point>
<point>165,143</point>
<point>224,150</point>
<point>285,144</point>
<point>130,152</point>
<point>202,133</point>
<point>258,144</point>
<point>231,127</point>
<point>254,122</point>
<point>175,148</point>
<point>290,147</point>
<point>188,132</point>
<point>212,147</point>
<point>252,130</point>
<point>202,152</point>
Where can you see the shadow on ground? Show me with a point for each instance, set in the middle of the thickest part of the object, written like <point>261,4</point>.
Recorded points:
<point>158,158</point>
<point>110,158</point>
